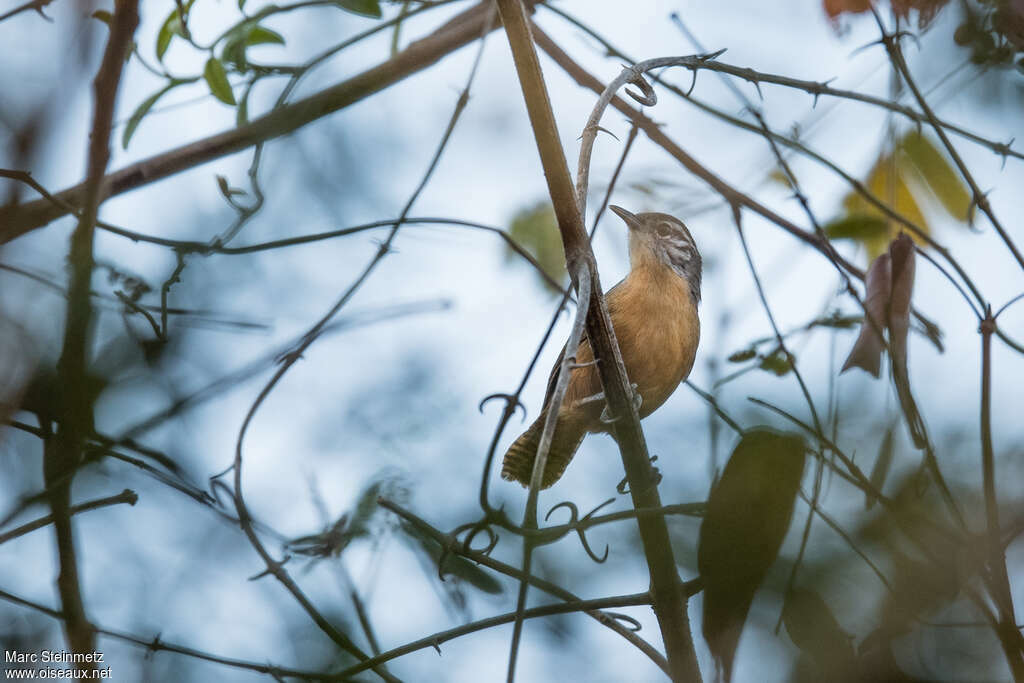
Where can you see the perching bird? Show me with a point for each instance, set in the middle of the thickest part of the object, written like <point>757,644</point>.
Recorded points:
<point>654,315</point>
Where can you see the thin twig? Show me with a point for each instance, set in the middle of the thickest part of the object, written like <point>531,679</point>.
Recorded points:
<point>418,55</point>
<point>892,46</point>
<point>814,88</point>
<point>158,645</point>
<point>35,5</point>
<point>453,545</point>
<point>274,567</point>
<point>1007,631</point>
<point>435,640</point>
<point>126,496</point>
<point>541,459</point>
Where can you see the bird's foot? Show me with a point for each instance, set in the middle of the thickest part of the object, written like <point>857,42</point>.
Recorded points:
<point>587,400</point>
<point>638,401</point>
<point>623,486</point>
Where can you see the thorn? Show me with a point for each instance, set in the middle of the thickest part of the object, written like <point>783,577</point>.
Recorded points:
<point>711,56</point>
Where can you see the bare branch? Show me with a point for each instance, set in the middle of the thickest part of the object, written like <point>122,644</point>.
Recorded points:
<point>126,496</point>
<point>460,31</point>
<point>63,453</point>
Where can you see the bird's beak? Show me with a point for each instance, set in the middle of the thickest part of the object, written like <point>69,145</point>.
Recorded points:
<point>629,218</point>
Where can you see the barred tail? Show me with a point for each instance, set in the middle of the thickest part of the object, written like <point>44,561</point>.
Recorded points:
<point>518,462</point>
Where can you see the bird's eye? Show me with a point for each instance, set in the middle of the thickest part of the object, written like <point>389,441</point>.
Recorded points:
<point>664,229</point>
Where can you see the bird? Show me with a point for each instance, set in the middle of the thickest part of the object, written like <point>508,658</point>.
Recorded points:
<point>654,315</point>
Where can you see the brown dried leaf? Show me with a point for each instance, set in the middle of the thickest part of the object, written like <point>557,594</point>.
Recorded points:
<point>867,350</point>
<point>901,257</point>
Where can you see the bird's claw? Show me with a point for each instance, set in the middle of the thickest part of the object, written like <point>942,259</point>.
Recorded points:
<point>638,401</point>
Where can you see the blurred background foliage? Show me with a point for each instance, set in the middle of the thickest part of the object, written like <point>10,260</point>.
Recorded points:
<point>385,404</point>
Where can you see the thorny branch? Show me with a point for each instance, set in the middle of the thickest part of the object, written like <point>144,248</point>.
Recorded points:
<point>453,545</point>
<point>892,46</point>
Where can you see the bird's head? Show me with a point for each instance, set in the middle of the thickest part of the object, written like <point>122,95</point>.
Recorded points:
<point>666,240</point>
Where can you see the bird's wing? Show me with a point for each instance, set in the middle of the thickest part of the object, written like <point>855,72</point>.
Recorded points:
<point>584,381</point>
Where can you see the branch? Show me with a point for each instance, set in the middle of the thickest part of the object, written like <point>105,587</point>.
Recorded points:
<point>126,496</point>
<point>667,596</point>
<point>449,544</point>
<point>461,30</point>
<point>273,566</point>
<point>541,459</point>
<point>814,88</point>
<point>1006,630</point>
<point>158,645</point>
<point>436,639</point>
<point>653,131</point>
<point>35,5</point>
<point>892,45</point>
<point>63,453</point>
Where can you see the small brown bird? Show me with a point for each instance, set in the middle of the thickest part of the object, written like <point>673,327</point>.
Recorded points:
<point>654,314</point>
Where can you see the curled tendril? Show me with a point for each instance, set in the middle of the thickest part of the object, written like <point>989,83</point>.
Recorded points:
<point>220,474</point>
<point>217,486</point>
<point>693,82</point>
<point>512,403</point>
<point>631,623</point>
<point>574,525</point>
<point>475,528</point>
<point>900,35</point>
<point>648,98</point>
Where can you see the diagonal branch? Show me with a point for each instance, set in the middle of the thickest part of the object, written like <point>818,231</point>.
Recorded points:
<point>126,496</point>
<point>461,30</point>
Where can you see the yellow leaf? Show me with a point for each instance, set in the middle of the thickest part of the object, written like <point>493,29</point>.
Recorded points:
<point>887,181</point>
<point>935,172</point>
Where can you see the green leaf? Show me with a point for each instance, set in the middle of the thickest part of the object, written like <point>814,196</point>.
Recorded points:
<point>860,227</point>
<point>171,27</point>
<point>740,356</point>
<point>747,516</point>
<point>242,112</point>
<point>813,628</point>
<point>239,40</point>
<point>217,79</point>
<point>778,363</point>
<point>167,31</point>
<point>367,8</point>
<point>536,229</point>
<point>104,16</point>
<point>260,35</point>
<point>837,321</point>
<point>883,463</point>
<point>142,110</point>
